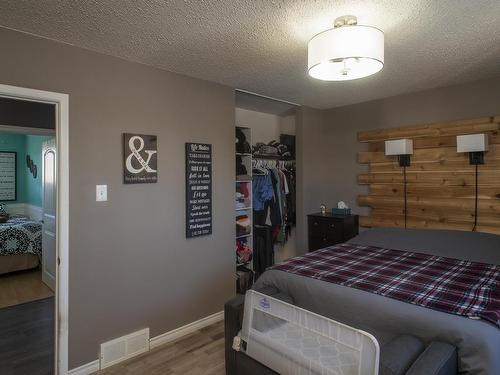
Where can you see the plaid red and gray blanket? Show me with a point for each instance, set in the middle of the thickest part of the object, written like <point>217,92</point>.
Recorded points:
<point>449,285</point>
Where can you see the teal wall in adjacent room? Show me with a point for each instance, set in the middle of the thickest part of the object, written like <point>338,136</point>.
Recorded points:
<point>29,189</point>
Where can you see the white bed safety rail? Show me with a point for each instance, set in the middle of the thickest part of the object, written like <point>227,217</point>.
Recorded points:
<point>291,340</point>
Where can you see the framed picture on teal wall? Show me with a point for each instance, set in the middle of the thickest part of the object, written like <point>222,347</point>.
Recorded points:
<point>31,166</point>
<point>8,180</point>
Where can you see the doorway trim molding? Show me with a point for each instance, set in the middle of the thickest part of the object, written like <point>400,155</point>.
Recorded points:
<point>61,102</point>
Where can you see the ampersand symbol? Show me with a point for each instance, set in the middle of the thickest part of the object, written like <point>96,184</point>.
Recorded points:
<point>136,154</point>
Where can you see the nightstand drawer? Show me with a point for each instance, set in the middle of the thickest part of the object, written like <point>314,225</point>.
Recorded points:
<point>328,230</point>
<point>319,226</point>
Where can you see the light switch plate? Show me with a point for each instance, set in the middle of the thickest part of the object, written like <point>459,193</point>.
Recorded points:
<point>101,193</point>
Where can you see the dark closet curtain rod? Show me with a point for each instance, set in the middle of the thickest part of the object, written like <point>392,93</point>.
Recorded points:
<point>272,157</point>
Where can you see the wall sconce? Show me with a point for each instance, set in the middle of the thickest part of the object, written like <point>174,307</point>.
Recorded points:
<point>403,148</point>
<point>475,145</point>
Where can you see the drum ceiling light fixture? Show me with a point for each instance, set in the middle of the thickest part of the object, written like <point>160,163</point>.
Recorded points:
<point>348,51</point>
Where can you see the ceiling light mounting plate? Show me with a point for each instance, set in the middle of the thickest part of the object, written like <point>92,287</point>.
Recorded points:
<point>345,21</point>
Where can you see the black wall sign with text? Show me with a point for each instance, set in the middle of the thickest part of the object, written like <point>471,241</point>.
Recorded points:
<point>198,189</point>
<point>140,158</point>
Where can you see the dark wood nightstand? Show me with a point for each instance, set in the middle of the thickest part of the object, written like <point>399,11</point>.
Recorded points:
<point>327,230</point>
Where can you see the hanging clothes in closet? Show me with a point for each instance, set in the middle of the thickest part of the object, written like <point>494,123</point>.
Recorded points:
<point>274,196</point>
<point>263,254</point>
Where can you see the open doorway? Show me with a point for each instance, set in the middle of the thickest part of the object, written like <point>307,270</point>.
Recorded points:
<point>27,236</point>
<point>33,231</point>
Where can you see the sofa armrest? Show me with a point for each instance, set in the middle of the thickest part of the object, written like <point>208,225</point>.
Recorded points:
<point>397,356</point>
<point>438,358</point>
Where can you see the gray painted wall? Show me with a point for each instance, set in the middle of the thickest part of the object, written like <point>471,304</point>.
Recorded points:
<point>130,265</point>
<point>311,168</point>
<point>335,170</point>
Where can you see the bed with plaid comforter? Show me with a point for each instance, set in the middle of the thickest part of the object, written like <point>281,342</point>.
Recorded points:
<point>454,286</point>
<point>403,296</point>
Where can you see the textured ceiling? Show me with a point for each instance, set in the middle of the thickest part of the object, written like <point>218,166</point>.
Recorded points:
<point>261,45</point>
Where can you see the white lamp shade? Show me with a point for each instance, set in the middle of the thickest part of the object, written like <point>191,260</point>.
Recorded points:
<point>472,143</point>
<point>345,53</point>
<point>399,147</point>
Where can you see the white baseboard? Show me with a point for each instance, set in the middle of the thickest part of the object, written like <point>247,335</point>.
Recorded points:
<point>91,367</point>
<point>86,369</point>
<point>185,330</point>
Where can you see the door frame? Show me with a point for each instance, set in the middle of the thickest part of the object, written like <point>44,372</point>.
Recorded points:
<point>48,146</point>
<point>61,102</point>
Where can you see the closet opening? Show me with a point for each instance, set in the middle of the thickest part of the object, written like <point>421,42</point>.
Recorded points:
<point>265,185</point>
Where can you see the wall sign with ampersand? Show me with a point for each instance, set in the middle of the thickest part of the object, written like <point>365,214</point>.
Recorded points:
<point>140,153</point>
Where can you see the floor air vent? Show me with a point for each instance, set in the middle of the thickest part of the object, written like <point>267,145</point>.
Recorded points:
<point>125,347</point>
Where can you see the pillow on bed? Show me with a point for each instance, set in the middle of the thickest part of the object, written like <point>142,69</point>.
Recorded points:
<point>4,216</point>
<point>474,246</point>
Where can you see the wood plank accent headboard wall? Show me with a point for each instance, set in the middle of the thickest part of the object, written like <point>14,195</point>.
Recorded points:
<point>440,181</point>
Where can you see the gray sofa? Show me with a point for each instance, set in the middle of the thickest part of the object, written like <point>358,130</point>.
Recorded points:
<point>404,355</point>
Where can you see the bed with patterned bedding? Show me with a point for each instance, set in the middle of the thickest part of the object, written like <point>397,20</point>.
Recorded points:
<point>453,286</point>
<point>432,284</point>
<point>20,244</point>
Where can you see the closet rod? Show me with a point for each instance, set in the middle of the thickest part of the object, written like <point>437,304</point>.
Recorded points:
<point>267,97</point>
<point>270,157</point>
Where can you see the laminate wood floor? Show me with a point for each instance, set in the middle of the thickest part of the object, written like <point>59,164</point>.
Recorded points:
<point>27,338</point>
<point>21,287</point>
<point>200,353</point>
